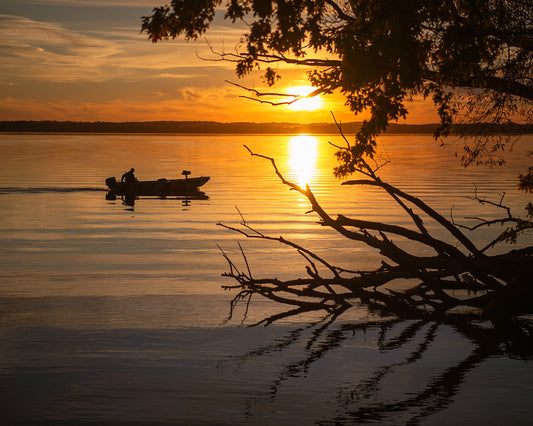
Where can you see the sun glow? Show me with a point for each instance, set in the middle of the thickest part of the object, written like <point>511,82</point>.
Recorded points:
<point>303,154</point>
<point>304,103</point>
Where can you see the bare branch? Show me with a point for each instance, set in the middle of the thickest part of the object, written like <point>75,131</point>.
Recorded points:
<point>467,243</point>
<point>259,94</point>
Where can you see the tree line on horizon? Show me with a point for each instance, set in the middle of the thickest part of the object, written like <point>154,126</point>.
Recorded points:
<point>52,126</point>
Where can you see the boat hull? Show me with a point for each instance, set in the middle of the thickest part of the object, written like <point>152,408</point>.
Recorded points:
<point>161,187</point>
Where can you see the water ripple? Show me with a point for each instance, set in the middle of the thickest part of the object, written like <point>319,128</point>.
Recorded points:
<point>17,190</point>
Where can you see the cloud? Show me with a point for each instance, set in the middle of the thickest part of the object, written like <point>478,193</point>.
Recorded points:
<point>18,32</point>
<point>48,51</point>
<point>186,103</point>
<point>100,3</point>
<point>171,75</point>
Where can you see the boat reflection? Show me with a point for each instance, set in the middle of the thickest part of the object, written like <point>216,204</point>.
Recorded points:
<point>129,199</point>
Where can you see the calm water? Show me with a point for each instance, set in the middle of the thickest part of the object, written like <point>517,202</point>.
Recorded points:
<point>115,313</point>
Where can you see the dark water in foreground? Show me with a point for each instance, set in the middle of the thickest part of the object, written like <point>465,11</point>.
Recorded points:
<point>115,314</point>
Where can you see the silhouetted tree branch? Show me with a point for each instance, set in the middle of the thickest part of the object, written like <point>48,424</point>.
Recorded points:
<point>457,274</point>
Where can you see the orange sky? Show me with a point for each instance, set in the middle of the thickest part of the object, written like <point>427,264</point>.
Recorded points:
<point>85,60</point>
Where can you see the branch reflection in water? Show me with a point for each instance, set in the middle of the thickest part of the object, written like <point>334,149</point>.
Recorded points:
<point>409,376</point>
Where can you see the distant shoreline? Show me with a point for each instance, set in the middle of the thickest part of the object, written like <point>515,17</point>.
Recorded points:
<point>49,126</point>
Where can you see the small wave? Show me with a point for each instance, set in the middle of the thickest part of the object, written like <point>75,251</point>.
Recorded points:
<point>16,190</point>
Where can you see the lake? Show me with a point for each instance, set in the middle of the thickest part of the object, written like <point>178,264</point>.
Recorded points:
<point>115,314</point>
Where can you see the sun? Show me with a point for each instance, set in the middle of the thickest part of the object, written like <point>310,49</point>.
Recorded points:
<point>304,104</point>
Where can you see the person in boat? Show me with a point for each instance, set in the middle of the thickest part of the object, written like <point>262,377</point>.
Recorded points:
<point>129,177</point>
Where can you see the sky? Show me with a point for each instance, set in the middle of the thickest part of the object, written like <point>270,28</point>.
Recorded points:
<point>86,60</point>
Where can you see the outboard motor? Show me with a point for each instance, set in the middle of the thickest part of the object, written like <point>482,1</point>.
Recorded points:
<point>111,181</point>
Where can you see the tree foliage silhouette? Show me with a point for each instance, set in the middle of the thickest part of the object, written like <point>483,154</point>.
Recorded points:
<point>471,58</point>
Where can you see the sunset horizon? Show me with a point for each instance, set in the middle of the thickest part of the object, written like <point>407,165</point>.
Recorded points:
<point>74,60</point>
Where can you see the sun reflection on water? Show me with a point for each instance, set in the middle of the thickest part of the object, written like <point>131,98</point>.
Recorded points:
<point>303,154</point>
